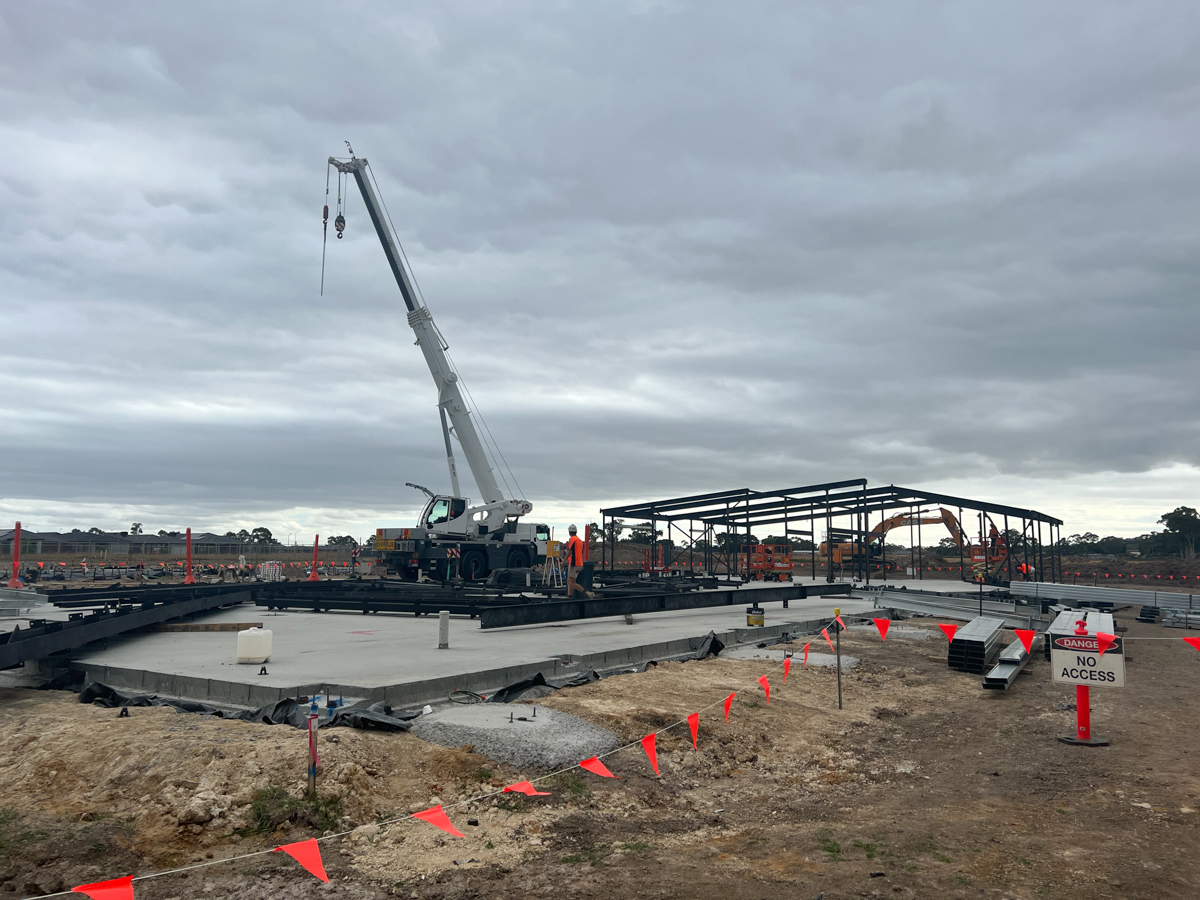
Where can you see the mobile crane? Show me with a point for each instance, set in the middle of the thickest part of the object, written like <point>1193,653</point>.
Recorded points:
<point>452,536</point>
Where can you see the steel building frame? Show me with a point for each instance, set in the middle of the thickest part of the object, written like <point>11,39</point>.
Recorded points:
<point>845,507</point>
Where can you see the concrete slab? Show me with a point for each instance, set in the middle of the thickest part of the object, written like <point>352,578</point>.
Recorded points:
<point>395,657</point>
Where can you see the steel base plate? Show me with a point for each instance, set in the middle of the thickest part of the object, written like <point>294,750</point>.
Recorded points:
<point>1084,742</point>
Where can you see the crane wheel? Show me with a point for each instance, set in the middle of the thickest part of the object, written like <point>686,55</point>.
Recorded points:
<point>518,559</point>
<point>473,566</point>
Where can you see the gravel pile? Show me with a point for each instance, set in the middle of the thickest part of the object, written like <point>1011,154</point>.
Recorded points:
<point>551,739</point>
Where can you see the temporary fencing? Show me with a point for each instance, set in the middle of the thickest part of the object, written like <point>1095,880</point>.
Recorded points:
<point>307,853</point>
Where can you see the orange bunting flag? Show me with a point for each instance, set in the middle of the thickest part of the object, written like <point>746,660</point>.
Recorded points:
<point>766,686</point>
<point>825,634</point>
<point>308,854</point>
<point>787,667</point>
<point>524,787</point>
<point>651,753</point>
<point>883,625</point>
<point>948,630</point>
<point>694,723</point>
<point>1195,642</point>
<point>436,816</point>
<point>596,767</point>
<point>1026,637</point>
<point>117,889</point>
<point>729,703</point>
<point>805,663</point>
<point>838,619</point>
<point>1105,641</point>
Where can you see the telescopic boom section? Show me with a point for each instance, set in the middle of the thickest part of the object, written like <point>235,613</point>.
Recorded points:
<point>450,396</point>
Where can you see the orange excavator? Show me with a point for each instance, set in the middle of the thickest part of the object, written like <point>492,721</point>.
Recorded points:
<point>993,552</point>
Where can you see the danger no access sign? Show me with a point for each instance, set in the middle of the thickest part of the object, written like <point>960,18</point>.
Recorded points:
<point>1076,659</point>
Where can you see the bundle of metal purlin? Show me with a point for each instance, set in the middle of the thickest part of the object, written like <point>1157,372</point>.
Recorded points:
<point>976,645</point>
<point>1177,618</point>
<point>1111,596</point>
<point>1012,660</point>
<point>928,603</point>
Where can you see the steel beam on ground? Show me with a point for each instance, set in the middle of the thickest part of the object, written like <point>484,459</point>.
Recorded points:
<point>509,616</point>
<point>1013,659</point>
<point>48,638</point>
<point>928,604</point>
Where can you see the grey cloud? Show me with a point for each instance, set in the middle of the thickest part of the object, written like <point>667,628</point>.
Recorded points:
<point>673,249</point>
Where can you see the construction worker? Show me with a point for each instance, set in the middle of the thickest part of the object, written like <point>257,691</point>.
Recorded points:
<point>1026,571</point>
<point>575,552</point>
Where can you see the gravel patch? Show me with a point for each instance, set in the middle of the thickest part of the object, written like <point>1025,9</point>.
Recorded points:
<point>550,739</point>
<point>899,631</point>
<point>815,658</point>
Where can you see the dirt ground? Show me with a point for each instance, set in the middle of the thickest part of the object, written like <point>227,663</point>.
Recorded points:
<point>923,786</point>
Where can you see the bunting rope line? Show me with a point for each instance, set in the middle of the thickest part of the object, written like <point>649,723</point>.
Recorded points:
<point>417,815</point>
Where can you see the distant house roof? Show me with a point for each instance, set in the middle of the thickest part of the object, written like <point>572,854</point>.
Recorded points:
<point>109,537</point>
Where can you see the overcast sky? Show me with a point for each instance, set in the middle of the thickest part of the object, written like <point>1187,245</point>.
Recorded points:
<point>674,248</point>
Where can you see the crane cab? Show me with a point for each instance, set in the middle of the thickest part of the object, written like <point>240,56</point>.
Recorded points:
<point>445,515</point>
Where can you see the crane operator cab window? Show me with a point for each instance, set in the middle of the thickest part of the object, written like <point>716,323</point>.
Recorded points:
<point>443,509</point>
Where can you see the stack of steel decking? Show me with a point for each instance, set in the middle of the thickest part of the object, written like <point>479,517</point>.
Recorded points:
<point>976,645</point>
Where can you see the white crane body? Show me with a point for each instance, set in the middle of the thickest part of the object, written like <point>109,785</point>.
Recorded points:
<point>482,537</point>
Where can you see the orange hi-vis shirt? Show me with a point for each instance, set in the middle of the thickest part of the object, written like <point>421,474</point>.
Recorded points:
<point>574,551</point>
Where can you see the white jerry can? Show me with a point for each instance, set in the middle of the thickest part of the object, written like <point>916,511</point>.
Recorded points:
<point>253,646</point>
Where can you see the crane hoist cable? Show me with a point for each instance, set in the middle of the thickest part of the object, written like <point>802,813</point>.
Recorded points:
<point>324,228</point>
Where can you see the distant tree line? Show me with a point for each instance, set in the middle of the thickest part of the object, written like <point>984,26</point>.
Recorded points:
<point>1178,538</point>
<point>256,536</point>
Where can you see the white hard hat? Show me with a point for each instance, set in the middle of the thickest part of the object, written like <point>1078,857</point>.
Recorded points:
<point>572,529</point>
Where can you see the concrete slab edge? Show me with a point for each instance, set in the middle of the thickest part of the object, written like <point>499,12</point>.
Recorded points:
<point>433,690</point>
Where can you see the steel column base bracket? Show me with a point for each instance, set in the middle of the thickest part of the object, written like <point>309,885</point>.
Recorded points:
<point>1084,742</point>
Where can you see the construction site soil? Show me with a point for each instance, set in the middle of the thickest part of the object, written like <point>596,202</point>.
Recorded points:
<point>923,786</point>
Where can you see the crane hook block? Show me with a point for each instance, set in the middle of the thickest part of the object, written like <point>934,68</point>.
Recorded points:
<point>340,224</point>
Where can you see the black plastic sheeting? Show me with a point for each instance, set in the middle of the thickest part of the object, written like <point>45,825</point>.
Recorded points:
<point>710,646</point>
<point>378,716</point>
<point>514,690</point>
<point>282,712</point>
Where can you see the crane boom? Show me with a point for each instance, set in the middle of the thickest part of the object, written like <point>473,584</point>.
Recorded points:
<point>450,398</point>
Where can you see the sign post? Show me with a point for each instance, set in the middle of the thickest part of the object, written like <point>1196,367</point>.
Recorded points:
<point>837,655</point>
<point>1086,656</point>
